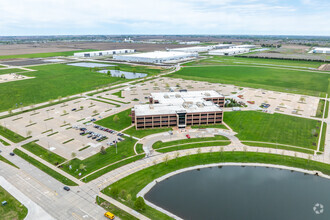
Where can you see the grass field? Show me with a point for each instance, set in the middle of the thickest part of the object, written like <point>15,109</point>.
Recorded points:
<point>220,126</point>
<point>51,82</point>
<point>140,133</point>
<point>195,146</point>
<point>10,135</point>
<point>43,153</point>
<point>124,120</point>
<point>42,55</point>
<point>276,146</point>
<point>13,70</point>
<point>132,184</point>
<point>14,210</point>
<point>229,60</point>
<point>97,161</point>
<point>270,78</point>
<point>274,128</point>
<point>119,94</point>
<point>4,142</point>
<point>45,168</point>
<point>114,209</point>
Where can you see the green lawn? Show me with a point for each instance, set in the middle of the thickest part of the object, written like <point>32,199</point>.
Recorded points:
<point>10,135</point>
<point>4,142</point>
<point>124,120</point>
<point>274,128</point>
<point>97,161</point>
<point>13,70</point>
<point>193,145</point>
<point>51,82</point>
<point>112,167</point>
<point>41,55</point>
<point>114,209</point>
<point>45,168</point>
<point>160,144</point>
<point>119,94</point>
<point>7,161</point>
<point>220,126</point>
<point>140,133</point>
<point>133,183</point>
<point>43,153</point>
<point>302,150</point>
<point>139,148</point>
<point>320,108</point>
<point>14,209</point>
<point>324,133</point>
<point>270,78</point>
<point>229,60</point>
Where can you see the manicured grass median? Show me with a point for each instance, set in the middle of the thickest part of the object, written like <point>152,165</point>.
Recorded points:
<point>4,142</point>
<point>117,121</point>
<point>324,133</point>
<point>41,152</point>
<point>306,151</point>
<point>7,161</point>
<point>14,210</point>
<point>320,108</point>
<point>12,70</point>
<point>132,184</point>
<point>140,133</point>
<point>97,161</point>
<point>10,135</point>
<point>45,168</point>
<point>160,144</point>
<point>220,126</point>
<point>274,128</point>
<point>112,167</point>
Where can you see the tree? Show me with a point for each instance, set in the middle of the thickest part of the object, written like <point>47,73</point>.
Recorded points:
<point>81,107</point>
<point>129,199</point>
<point>95,111</point>
<point>116,118</point>
<point>82,166</point>
<point>199,151</point>
<point>139,203</point>
<point>73,154</point>
<point>102,150</point>
<point>166,158</point>
<point>64,112</point>
<point>123,194</point>
<point>123,76</point>
<point>28,133</point>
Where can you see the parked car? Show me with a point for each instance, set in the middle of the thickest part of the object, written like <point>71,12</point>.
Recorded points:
<point>11,154</point>
<point>74,109</point>
<point>66,188</point>
<point>188,136</point>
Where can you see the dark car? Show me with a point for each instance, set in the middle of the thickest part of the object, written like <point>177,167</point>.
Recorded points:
<point>74,109</point>
<point>94,137</point>
<point>11,154</point>
<point>93,119</point>
<point>82,133</point>
<point>66,188</point>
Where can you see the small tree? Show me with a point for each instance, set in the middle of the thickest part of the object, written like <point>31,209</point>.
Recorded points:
<point>102,150</point>
<point>129,199</point>
<point>81,107</point>
<point>82,166</point>
<point>116,118</point>
<point>28,133</point>
<point>123,194</point>
<point>199,151</point>
<point>139,203</point>
<point>166,158</point>
<point>95,111</point>
<point>73,154</point>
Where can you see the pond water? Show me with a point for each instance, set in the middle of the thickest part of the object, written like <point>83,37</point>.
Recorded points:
<point>243,193</point>
<point>128,75</point>
<point>90,65</point>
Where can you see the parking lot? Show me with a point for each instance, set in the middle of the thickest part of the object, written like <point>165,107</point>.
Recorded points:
<point>54,127</point>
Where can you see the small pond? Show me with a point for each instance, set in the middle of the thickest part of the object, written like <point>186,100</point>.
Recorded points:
<point>128,75</point>
<point>90,65</point>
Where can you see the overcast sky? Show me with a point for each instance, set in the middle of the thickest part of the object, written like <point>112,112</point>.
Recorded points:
<point>274,17</point>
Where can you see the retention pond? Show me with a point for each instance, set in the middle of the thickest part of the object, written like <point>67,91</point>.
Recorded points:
<point>236,193</point>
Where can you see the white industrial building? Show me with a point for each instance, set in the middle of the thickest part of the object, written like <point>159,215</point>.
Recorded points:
<point>189,42</point>
<point>229,52</point>
<point>156,57</point>
<point>250,46</point>
<point>320,50</point>
<point>197,49</point>
<point>103,53</point>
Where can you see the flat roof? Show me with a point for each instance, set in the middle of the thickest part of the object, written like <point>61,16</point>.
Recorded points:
<point>163,96</point>
<point>159,54</point>
<point>103,51</point>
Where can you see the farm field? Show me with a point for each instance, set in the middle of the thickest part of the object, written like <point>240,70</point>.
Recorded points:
<point>274,128</point>
<point>270,78</point>
<point>14,209</point>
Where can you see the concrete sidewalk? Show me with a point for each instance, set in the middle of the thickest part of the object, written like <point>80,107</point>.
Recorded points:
<point>34,210</point>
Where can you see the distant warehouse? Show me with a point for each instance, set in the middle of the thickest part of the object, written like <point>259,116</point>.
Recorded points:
<point>197,49</point>
<point>156,57</point>
<point>229,52</point>
<point>320,50</point>
<point>103,53</point>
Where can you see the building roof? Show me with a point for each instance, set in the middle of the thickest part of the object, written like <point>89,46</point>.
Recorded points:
<point>173,102</point>
<point>159,54</point>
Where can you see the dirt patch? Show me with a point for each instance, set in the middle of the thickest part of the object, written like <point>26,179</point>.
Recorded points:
<point>324,67</point>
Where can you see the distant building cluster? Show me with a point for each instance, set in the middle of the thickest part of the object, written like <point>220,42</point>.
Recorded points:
<point>320,50</point>
<point>180,109</point>
<point>232,50</point>
<point>103,53</point>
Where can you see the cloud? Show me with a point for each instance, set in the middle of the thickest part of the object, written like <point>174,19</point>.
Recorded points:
<point>33,17</point>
